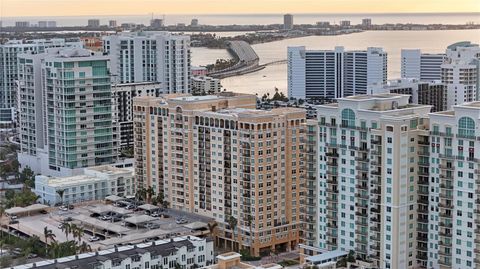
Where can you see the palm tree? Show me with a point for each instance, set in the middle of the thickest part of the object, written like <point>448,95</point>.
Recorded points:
<point>232,222</point>
<point>48,235</point>
<point>149,192</point>
<point>60,193</point>
<point>141,194</point>
<point>165,204</point>
<point>160,198</point>
<point>250,222</point>
<point>77,232</point>
<point>67,228</point>
<point>84,247</point>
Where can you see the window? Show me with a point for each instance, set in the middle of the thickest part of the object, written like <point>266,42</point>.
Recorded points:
<point>466,126</point>
<point>348,118</point>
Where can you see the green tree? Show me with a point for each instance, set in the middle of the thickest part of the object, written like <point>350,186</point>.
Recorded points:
<point>27,175</point>
<point>23,198</point>
<point>61,193</point>
<point>250,223</point>
<point>9,194</point>
<point>48,234</point>
<point>149,193</point>
<point>84,247</point>
<point>232,222</point>
<point>77,232</point>
<point>141,194</point>
<point>67,229</point>
<point>165,204</point>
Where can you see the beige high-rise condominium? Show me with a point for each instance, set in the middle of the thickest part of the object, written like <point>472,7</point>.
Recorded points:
<point>218,156</point>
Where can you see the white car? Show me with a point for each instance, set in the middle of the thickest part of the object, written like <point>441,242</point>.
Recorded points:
<point>93,239</point>
<point>64,208</point>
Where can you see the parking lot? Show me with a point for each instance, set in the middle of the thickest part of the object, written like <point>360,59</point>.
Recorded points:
<point>107,225</point>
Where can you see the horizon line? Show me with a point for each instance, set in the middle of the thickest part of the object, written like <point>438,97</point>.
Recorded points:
<point>254,14</point>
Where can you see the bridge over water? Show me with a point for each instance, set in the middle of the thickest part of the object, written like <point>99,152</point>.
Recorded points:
<point>248,61</point>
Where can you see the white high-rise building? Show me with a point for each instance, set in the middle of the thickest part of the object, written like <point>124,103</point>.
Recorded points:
<point>365,155</point>
<point>461,72</point>
<point>422,66</point>
<point>151,56</point>
<point>65,106</point>
<point>330,74</point>
<point>205,85</point>
<point>9,72</point>
<point>454,197</point>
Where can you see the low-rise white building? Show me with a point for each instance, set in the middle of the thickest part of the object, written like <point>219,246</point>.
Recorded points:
<point>182,252</point>
<point>95,184</point>
<point>205,85</point>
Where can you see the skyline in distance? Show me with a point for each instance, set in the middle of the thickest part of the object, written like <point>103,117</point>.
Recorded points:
<point>26,8</point>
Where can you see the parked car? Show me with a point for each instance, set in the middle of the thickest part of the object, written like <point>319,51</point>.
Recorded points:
<point>71,207</point>
<point>106,217</point>
<point>154,226</point>
<point>93,238</point>
<point>130,206</point>
<point>181,221</point>
<point>63,208</point>
<point>116,218</point>
<point>32,255</point>
<point>155,215</point>
<point>13,221</point>
<point>43,211</point>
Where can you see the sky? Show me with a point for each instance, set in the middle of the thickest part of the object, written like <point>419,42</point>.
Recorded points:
<point>20,8</point>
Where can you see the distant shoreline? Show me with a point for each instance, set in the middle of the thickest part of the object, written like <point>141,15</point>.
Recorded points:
<point>245,28</point>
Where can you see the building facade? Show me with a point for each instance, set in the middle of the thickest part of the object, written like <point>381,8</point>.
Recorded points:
<point>422,66</point>
<point>182,252</point>
<point>93,23</point>
<point>66,122</point>
<point>95,183</point>
<point>151,57</point>
<point>205,85</point>
<point>461,72</point>
<point>330,74</point>
<point>454,219</point>
<point>288,22</point>
<point>9,72</point>
<point>362,190</point>
<point>432,93</point>
<point>123,95</point>
<point>218,156</point>
<point>367,22</point>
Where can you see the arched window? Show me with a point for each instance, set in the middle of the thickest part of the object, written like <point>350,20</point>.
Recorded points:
<point>348,118</point>
<point>466,126</point>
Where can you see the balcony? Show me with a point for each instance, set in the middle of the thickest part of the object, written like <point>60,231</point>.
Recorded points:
<point>361,159</point>
<point>445,225</point>
<point>447,167</point>
<point>332,154</point>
